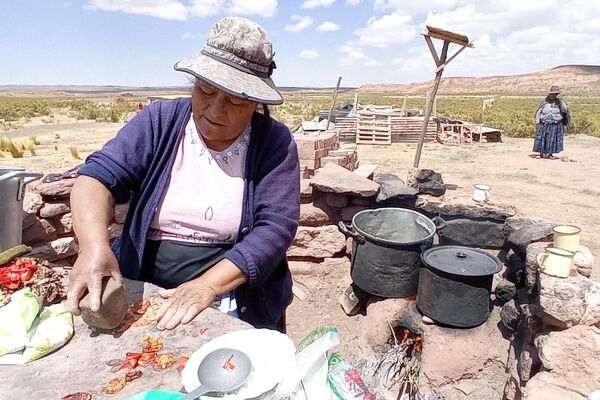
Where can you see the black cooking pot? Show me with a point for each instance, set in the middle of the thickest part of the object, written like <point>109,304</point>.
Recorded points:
<point>386,249</point>
<point>455,285</point>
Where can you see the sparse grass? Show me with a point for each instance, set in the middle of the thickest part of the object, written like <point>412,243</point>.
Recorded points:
<point>57,136</point>
<point>48,120</point>
<point>591,192</point>
<point>74,152</point>
<point>520,176</point>
<point>35,140</point>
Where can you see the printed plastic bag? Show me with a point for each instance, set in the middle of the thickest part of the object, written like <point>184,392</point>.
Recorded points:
<point>345,381</point>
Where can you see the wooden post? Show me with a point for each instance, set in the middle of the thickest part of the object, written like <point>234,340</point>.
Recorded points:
<point>355,103</point>
<point>403,110</point>
<point>429,106</point>
<point>337,87</point>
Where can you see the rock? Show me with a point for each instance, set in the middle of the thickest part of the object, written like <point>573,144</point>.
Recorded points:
<point>120,212</point>
<point>514,223</point>
<point>450,355</point>
<point>318,242</point>
<point>311,215</point>
<point>32,202</point>
<point>61,188</point>
<point>374,333</point>
<point>336,200</point>
<point>335,179</point>
<point>523,237</point>
<point>505,291</point>
<point>466,232</point>
<point>303,267</point>
<point>515,271</point>
<point>349,246</point>
<point>538,388</point>
<point>112,309</point>
<point>570,358</point>
<point>394,192</point>
<point>28,219</point>
<point>40,231</point>
<point>56,250</point>
<point>565,302</point>
<point>583,261</point>
<point>348,212</point>
<point>51,210</point>
<point>470,389</point>
<point>363,201</point>
<point>66,221</point>
<point>510,315</point>
<point>426,181</point>
<point>455,209</point>
<point>531,264</point>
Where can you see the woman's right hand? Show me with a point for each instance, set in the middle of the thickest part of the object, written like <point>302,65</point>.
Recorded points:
<point>92,265</point>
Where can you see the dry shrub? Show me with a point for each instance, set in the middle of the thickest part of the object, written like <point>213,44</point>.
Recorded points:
<point>74,153</point>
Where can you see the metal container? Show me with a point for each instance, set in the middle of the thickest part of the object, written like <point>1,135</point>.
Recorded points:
<point>12,188</point>
<point>455,285</point>
<point>386,249</point>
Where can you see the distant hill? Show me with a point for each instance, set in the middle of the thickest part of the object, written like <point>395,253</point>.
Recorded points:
<point>570,78</point>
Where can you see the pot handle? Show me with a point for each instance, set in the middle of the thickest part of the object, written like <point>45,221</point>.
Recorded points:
<point>21,174</point>
<point>439,223</point>
<point>349,231</point>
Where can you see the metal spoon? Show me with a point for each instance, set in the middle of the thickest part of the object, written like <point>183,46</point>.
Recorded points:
<point>221,371</point>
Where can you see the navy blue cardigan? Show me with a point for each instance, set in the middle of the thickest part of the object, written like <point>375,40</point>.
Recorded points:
<point>136,164</point>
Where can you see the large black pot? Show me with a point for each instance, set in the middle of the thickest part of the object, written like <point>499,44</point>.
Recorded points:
<point>455,285</point>
<point>386,249</point>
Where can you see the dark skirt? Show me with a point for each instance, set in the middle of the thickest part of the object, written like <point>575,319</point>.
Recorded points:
<point>549,138</point>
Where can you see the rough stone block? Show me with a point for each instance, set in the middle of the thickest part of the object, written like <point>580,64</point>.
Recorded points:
<point>317,242</point>
<point>56,250</point>
<point>335,179</point>
<point>337,200</point>
<point>41,231</point>
<point>32,202</point>
<point>312,215</point>
<point>466,232</point>
<point>54,209</point>
<point>523,237</point>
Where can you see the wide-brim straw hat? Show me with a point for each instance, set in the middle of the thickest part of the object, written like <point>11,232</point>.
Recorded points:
<point>238,59</point>
<point>554,89</point>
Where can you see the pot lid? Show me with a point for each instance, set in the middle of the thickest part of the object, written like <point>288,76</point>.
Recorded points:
<point>460,260</point>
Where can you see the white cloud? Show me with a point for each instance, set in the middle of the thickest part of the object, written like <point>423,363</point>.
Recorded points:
<point>328,26</point>
<point>167,9</point>
<point>264,8</point>
<point>372,63</point>
<point>352,55</point>
<point>309,54</point>
<point>187,36</point>
<point>317,3</point>
<point>389,29</point>
<point>417,7</point>
<point>180,10</point>
<point>303,23</point>
<point>353,2</point>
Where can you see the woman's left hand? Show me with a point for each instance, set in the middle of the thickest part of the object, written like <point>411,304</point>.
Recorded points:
<point>184,303</point>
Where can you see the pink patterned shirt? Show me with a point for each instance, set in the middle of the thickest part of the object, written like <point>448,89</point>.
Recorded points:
<point>202,202</point>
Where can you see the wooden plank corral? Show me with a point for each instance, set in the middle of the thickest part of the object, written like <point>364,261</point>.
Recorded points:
<point>386,128</point>
<point>346,126</point>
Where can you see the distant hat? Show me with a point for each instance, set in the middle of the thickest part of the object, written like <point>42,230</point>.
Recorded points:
<point>554,89</point>
<point>238,59</point>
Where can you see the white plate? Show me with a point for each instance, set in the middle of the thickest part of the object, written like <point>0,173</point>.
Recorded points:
<point>271,352</point>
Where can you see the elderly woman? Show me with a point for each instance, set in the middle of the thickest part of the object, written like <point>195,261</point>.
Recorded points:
<point>551,118</point>
<point>213,188</point>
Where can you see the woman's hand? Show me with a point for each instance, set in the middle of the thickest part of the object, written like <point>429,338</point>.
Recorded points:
<point>184,303</point>
<point>91,267</point>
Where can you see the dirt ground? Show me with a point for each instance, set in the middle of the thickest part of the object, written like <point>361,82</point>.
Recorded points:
<point>553,190</point>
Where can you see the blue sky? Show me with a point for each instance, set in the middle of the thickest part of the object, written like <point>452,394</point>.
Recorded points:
<point>136,42</point>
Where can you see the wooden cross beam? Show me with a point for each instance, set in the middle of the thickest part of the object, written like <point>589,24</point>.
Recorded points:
<point>441,61</point>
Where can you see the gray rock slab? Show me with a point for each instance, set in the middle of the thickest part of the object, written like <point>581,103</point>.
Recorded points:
<point>393,191</point>
<point>454,209</point>
<point>312,215</point>
<point>81,364</point>
<point>531,264</point>
<point>335,179</point>
<point>523,237</point>
<point>466,232</point>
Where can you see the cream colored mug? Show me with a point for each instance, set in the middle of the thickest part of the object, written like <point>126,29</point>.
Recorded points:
<point>556,262</point>
<point>566,237</point>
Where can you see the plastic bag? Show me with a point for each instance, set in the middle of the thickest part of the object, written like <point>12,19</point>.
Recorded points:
<point>308,378</point>
<point>345,381</point>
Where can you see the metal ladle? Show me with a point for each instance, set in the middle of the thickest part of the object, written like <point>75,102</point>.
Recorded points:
<point>221,371</point>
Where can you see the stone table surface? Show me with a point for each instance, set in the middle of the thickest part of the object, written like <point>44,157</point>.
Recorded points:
<point>81,365</point>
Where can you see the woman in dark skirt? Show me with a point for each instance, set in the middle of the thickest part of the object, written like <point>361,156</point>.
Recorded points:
<point>551,118</point>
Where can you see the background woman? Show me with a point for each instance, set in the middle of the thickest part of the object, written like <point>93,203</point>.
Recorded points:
<point>551,118</point>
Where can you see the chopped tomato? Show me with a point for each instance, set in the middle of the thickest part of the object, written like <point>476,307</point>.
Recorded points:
<point>131,361</point>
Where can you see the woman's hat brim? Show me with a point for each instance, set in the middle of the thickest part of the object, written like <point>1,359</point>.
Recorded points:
<point>231,80</point>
